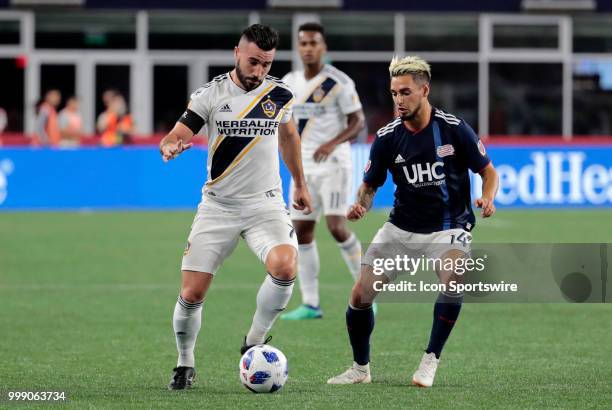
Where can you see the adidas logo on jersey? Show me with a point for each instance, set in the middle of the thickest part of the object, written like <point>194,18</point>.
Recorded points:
<point>225,108</point>
<point>399,159</point>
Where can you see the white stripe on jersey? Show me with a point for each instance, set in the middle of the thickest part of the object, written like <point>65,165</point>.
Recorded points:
<point>391,124</point>
<point>449,118</point>
<point>439,111</point>
<point>389,127</point>
<point>387,130</point>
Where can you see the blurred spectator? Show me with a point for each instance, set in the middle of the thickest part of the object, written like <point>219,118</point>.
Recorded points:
<point>115,123</point>
<point>107,97</point>
<point>3,120</point>
<point>70,123</point>
<point>47,129</point>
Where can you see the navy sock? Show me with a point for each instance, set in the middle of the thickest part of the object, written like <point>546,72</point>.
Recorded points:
<point>360,323</point>
<point>446,312</point>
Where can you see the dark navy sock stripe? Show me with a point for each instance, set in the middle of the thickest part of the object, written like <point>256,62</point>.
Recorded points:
<point>189,305</point>
<point>281,282</point>
<point>355,308</point>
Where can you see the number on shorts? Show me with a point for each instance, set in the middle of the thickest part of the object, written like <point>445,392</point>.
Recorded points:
<point>334,200</point>
<point>463,238</point>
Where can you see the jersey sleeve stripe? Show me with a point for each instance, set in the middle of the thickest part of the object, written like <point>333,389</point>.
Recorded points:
<point>448,120</point>
<point>283,108</point>
<point>446,115</point>
<point>389,127</point>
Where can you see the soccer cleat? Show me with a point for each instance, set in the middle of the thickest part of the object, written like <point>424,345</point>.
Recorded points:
<point>424,375</point>
<point>182,378</point>
<point>354,375</point>
<point>303,312</point>
<point>246,347</point>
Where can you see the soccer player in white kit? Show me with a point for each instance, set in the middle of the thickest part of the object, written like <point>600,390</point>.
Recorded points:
<point>329,114</point>
<point>248,117</point>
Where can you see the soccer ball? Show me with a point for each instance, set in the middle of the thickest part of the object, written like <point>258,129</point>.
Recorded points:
<point>263,369</point>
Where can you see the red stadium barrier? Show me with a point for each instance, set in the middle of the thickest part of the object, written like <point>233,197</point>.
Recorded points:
<point>18,139</point>
<point>528,140</point>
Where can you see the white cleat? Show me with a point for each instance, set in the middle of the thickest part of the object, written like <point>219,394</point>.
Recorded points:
<point>354,375</point>
<point>424,375</point>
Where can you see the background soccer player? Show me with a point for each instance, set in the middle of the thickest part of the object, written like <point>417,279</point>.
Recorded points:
<point>428,153</point>
<point>329,115</point>
<point>248,115</point>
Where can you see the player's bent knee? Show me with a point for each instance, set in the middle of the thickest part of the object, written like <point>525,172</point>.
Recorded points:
<point>337,228</point>
<point>360,297</point>
<point>340,234</point>
<point>281,262</point>
<point>305,239</point>
<point>192,295</point>
<point>195,285</point>
<point>304,231</point>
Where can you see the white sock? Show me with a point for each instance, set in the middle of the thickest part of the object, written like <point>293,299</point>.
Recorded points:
<point>187,320</point>
<point>272,299</point>
<point>308,273</point>
<point>351,253</point>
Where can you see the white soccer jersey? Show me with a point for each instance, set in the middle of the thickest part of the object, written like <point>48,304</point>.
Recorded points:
<point>242,129</point>
<point>320,110</point>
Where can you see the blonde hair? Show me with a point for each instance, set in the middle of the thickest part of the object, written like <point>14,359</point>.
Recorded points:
<point>413,65</point>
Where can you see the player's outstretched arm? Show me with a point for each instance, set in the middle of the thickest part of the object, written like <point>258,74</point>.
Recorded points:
<point>175,142</point>
<point>490,183</point>
<point>291,151</point>
<point>365,198</point>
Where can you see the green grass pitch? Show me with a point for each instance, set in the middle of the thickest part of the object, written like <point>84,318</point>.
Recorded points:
<point>86,302</point>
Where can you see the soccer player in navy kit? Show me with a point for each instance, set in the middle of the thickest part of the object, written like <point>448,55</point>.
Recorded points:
<point>428,153</point>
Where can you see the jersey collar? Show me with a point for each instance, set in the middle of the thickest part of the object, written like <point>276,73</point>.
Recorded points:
<point>236,87</point>
<point>431,118</point>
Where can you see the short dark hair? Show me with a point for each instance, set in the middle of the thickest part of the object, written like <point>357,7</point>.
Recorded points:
<point>265,37</point>
<point>312,26</point>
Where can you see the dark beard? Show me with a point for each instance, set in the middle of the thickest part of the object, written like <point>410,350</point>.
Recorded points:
<point>412,115</point>
<point>249,83</point>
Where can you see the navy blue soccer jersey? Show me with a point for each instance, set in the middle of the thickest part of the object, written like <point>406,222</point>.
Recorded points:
<point>430,171</point>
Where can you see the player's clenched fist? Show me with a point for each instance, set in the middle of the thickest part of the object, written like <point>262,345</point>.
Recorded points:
<point>356,212</point>
<point>171,150</point>
<point>488,208</point>
<point>302,200</point>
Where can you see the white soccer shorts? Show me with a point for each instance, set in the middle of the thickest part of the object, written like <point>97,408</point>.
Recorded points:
<point>218,226</point>
<point>330,194</point>
<point>391,241</point>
